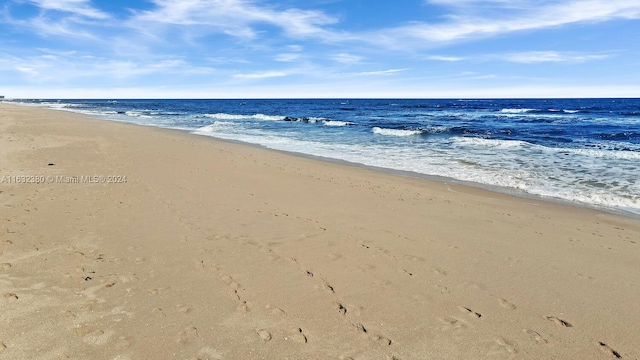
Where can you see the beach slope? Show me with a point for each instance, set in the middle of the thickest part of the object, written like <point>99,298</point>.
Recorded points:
<point>128,242</point>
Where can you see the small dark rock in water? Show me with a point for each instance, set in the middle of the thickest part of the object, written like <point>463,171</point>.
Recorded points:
<point>50,164</point>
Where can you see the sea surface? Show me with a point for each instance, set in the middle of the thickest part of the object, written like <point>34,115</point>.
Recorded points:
<point>583,151</point>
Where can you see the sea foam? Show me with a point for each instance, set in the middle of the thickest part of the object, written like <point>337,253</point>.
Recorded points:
<point>395,132</point>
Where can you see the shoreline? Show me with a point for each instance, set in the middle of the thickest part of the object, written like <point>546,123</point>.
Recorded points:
<point>213,249</point>
<point>487,187</point>
<point>448,180</point>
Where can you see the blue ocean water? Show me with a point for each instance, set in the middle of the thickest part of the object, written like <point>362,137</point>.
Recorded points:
<point>585,151</point>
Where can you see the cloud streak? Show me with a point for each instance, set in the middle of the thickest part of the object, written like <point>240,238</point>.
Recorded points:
<point>81,8</point>
<point>469,24</point>
<point>235,17</point>
<point>260,75</point>
<point>549,57</point>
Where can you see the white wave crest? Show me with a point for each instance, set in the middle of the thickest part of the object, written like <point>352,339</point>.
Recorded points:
<point>609,154</point>
<point>516,111</point>
<point>395,132</point>
<point>137,114</point>
<point>267,117</point>
<point>224,116</point>
<point>335,123</point>
<point>492,143</point>
<point>215,127</point>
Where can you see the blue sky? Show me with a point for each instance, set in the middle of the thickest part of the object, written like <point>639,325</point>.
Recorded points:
<point>319,48</point>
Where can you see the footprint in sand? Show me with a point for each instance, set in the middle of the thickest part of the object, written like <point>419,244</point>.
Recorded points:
<point>341,308</point>
<point>440,271</point>
<point>558,321</point>
<point>188,335</point>
<point>327,287</point>
<point>361,328</point>
<point>298,336</point>
<point>345,357</point>
<point>153,291</point>
<point>183,309</point>
<point>123,343</point>
<point>506,304</point>
<point>85,330</point>
<point>406,272</point>
<point>275,310</point>
<point>608,350</point>
<point>452,323</point>
<point>378,339</point>
<point>505,345</point>
<point>10,296</point>
<point>264,335</point>
<point>158,312</point>
<point>535,336</point>
<point>242,307</point>
<point>381,340</point>
<point>470,312</point>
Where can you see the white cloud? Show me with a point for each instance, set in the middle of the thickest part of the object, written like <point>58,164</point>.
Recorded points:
<point>296,48</point>
<point>62,28</point>
<point>288,57</point>
<point>346,58</point>
<point>235,17</point>
<point>31,72</point>
<point>261,75</point>
<point>78,7</point>
<point>64,67</point>
<point>468,22</point>
<point>381,72</point>
<point>445,58</point>
<point>549,56</point>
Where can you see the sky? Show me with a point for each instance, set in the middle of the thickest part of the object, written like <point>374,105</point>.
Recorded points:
<point>319,48</point>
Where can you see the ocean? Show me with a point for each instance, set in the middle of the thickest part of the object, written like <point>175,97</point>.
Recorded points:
<point>581,151</point>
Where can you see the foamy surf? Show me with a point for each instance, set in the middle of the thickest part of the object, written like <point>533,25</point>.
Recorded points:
<point>395,132</point>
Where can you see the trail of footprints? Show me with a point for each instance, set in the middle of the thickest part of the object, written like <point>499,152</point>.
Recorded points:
<point>343,311</point>
<point>234,288</point>
<point>449,323</point>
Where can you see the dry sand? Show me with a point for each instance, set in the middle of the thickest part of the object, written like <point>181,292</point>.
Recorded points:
<point>216,250</point>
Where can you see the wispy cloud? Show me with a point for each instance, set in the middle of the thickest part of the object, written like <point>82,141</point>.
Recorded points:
<point>80,8</point>
<point>346,58</point>
<point>235,17</point>
<point>381,72</point>
<point>287,57</point>
<point>261,75</point>
<point>445,58</point>
<point>471,21</point>
<point>60,18</point>
<point>527,57</point>
<point>71,66</point>
<point>549,56</point>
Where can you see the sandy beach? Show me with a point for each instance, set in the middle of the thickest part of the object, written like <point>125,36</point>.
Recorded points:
<point>125,242</point>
